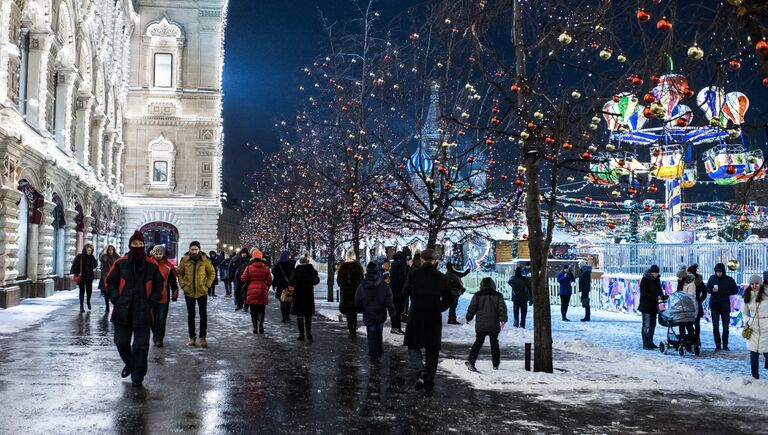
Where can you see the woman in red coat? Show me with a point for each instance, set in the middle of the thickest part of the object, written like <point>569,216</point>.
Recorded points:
<point>257,279</point>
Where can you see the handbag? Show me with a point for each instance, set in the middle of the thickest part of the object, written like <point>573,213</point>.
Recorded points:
<point>747,332</point>
<point>287,294</point>
<point>77,277</point>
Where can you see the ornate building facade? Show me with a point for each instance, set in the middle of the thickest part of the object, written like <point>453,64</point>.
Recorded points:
<point>109,122</point>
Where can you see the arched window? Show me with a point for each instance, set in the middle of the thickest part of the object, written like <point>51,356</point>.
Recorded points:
<point>161,164</point>
<point>164,45</point>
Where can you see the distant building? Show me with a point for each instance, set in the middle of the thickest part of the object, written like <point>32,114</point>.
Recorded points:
<point>229,228</point>
<point>109,122</point>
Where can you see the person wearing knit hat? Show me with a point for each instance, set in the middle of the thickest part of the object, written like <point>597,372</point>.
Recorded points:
<point>650,295</point>
<point>138,286</point>
<point>701,296</point>
<point>236,268</point>
<point>303,280</point>
<point>491,310</point>
<point>281,274</point>
<point>170,292</point>
<point>196,275</point>
<point>565,278</point>
<point>373,298</point>
<point>257,280</point>
<point>83,268</point>
<point>348,278</point>
<point>721,287</point>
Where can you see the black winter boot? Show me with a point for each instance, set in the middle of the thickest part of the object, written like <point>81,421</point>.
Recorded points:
<point>308,321</point>
<point>300,321</point>
<point>261,323</point>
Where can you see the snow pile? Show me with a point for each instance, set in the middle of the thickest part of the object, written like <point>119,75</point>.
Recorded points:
<point>32,311</point>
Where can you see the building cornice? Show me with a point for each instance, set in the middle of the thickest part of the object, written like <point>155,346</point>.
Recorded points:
<point>185,122</point>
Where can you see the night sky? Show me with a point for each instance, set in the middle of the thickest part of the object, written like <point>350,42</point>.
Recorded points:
<point>268,42</point>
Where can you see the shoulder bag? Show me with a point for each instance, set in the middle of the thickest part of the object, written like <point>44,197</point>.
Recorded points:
<point>287,294</point>
<point>76,278</point>
<point>747,332</point>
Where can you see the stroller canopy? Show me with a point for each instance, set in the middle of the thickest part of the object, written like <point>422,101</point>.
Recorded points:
<point>681,308</point>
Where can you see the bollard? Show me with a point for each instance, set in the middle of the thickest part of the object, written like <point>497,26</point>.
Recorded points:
<point>528,357</point>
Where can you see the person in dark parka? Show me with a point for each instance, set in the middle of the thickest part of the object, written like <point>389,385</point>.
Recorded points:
<point>84,266</point>
<point>650,295</point>
<point>720,288</point>
<point>585,287</point>
<point>304,280</point>
<point>457,289</point>
<point>521,294</point>
<point>397,276</point>
<point>430,296</point>
<point>236,268</point>
<point>348,278</point>
<point>373,298</point>
<point>135,287</point>
<point>565,278</point>
<point>701,296</point>
<point>107,259</point>
<point>281,274</point>
<point>491,311</point>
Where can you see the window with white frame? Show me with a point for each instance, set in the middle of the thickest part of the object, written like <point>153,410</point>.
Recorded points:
<point>161,161</point>
<point>163,70</point>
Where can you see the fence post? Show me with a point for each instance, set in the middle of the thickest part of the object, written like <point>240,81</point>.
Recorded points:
<point>528,357</point>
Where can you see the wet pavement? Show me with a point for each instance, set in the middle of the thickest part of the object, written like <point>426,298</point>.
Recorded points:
<point>63,376</point>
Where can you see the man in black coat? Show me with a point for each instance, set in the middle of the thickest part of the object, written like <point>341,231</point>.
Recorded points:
<point>721,287</point>
<point>650,294</point>
<point>397,276</point>
<point>585,287</point>
<point>135,287</point>
<point>236,268</point>
<point>430,296</point>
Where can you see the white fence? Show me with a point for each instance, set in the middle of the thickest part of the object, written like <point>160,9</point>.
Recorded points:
<point>472,284</point>
<point>636,258</point>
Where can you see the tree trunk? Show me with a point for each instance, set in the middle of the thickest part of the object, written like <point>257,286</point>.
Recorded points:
<point>432,239</point>
<point>542,321</point>
<point>331,261</point>
<point>356,237</point>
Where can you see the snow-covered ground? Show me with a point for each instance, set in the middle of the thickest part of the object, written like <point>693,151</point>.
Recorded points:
<point>32,311</point>
<point>598,360</point>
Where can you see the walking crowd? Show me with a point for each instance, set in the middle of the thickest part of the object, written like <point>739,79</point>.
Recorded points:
<point>410,291</point>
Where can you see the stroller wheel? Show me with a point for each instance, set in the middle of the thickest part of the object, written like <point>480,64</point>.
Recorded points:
<point>696,350</point>
<point>681,351</point>
<point>662,347</point>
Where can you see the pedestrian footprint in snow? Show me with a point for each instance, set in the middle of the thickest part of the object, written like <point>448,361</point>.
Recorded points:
<point>491,311</point>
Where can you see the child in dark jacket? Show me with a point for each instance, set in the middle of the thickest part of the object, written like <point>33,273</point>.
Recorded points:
<point>491,311</point>
<point>373,298</point>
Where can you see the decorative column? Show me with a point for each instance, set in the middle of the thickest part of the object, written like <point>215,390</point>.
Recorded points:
<point>10,293</point>
<point>82,132</point>
<point>37,71</point>
<point>109,150</point>
<point>70,250</point>
<point>65,91</point>
<point>43,287</point>
<point>118,163</point>
<point>98,121</point>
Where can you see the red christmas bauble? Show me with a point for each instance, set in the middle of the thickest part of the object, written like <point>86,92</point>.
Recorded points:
<point>664,24</point>
<point>567,146</point>
<point>643,15</point>
<point>730,169</point>
<point>734,64</point>
<point>762,47</point>
<point>682,122</point>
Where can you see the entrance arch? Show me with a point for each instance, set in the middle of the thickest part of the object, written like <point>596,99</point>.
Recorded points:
<point>162,233</point>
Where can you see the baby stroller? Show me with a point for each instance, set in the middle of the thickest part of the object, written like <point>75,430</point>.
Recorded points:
<point>679,310</point>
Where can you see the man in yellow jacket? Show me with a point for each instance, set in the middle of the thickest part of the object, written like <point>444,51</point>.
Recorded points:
<point>196,274</point>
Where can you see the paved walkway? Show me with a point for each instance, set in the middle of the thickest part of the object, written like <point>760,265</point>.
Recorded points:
<point>62,376</point>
